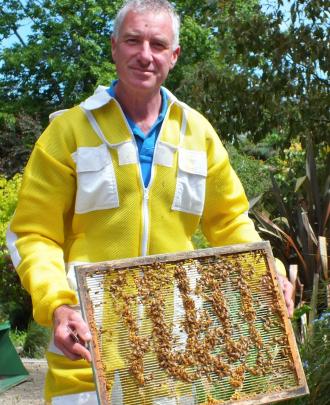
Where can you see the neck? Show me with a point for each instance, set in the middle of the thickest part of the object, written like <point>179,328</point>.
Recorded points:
<point>143,109</point>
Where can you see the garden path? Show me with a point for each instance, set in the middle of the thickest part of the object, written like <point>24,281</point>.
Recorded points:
<point>30,391</point>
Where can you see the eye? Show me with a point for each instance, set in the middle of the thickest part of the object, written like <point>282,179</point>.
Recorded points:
<point>159,45</point>
<point>131,41</point>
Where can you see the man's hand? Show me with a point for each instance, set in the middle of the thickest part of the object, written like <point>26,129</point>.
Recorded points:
<point>287,289</point>
<point>71,333</point>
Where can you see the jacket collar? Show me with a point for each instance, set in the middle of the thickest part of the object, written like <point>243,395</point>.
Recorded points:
<point>97,100</point>
<point>102,97</point>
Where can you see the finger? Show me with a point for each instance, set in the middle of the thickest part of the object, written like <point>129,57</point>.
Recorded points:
<point>63,339</point>
<point>66,347</point>
<point>81,351</point>
<point>81,329</point>
<point>290,308</point>
<point>281,281</point>
<point>288,292</point>
<point>289,301</point>
<point>84,352</point>
<point>80,343</point>
<point>72,349</point>
<point>69,354</point>
<point>287,289</point>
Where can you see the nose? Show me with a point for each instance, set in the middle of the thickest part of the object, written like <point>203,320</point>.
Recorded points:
<point>145,54</point>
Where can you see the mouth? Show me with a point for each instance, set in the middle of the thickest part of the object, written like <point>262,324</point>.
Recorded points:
<point>142,71</point>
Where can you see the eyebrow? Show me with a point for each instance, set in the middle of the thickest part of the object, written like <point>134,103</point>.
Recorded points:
<point>137,34</point>
<point>132,34</point>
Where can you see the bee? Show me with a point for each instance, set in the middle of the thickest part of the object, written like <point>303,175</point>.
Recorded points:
<point>236,383</point>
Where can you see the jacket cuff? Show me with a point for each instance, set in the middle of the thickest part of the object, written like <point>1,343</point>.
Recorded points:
<point>43,312</point>
<point>279,267</point>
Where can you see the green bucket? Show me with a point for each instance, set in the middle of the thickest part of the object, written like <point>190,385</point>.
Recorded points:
<point>12,370</point>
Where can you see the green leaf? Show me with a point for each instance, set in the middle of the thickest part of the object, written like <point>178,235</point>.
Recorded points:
<point>299,183</point>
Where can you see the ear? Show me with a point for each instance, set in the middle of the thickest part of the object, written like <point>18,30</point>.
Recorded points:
<point>175,56</point>
<point>113,48</point>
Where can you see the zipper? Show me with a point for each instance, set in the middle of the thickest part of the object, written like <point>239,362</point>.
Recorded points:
<point>145,228</point>
<point>145,199</point>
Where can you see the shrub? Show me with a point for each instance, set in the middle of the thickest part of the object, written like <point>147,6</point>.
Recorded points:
<point>199,241</point>
<point>302,218</point>
<point>299,236</point>
<point>315,356</point>
<point>290,164</point>
<point>15,303</point>
<point>18,134</point>
<point>252,172</point>
<point>17,337</point>
<point>8,198</point>
<point>36,341</point>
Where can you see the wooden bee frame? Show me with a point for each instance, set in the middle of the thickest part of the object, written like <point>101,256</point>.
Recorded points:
<point>204,327</point>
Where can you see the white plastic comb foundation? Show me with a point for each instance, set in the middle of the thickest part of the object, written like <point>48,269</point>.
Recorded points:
<point>203,327</point>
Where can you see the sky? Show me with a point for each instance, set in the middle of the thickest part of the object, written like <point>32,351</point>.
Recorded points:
<point>25,27</point>
<point>23,31</point>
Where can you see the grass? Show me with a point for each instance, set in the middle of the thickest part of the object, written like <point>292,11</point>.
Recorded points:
<point>17,337</point>
<point>32,341</point>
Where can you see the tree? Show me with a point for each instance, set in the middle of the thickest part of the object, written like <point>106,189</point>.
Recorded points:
<point>18,134</point>
<point>64,56</point>
<point>67,52</point>
<point>251,70</point>
<point>270,73</point>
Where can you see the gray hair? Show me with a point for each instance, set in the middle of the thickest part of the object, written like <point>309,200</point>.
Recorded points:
<point>156,6</point>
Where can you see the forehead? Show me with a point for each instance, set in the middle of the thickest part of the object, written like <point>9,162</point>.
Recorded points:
<point>147,23</point>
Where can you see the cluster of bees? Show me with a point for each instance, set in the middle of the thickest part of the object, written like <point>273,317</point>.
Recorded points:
<point>210,351</point>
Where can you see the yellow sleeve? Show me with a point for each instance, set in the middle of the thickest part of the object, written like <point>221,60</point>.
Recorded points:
<point>37,231</point>
<point>225,219</point>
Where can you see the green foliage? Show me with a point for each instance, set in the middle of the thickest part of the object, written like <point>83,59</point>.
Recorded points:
<point>36,341</point>
<point>18,134</point>
<point>266,149</point>
<point>315,355</point>
<point>199,240</point>
<point>255,179</point>
<point>253,173</point>
<point>15,303</point>
<point>289,167</point>
<point>68,53</point>
<point>302,216</point>
<point>250,70</point>
<point>17,337</point>
<point>197,43</point>
<point>300,311</point>
<point>8,197</point>
<point>65,55</point>
<point>270,73</point>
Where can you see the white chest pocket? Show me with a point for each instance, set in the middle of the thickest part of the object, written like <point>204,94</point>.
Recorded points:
<point>191,181</point>
<point>96,181</point>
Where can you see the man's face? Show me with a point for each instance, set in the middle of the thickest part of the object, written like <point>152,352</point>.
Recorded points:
<point>143,52</point>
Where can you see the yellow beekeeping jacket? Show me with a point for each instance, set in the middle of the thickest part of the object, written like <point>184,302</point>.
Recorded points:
<point>83,200</point>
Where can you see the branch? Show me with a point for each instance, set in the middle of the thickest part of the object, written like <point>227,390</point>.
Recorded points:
<point>26,11</point>
<point>21,40</point>
<point>324,81</point>
<point>13,27</point>
<point>317,77</point>
<point>321,120</point>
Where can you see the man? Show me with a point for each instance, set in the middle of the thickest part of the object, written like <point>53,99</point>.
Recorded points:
<point>131,171</point>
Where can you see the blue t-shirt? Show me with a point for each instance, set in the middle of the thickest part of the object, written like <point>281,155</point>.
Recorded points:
<point>145,142</point>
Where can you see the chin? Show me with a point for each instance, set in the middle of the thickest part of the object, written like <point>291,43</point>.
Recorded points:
<point>145,85</point>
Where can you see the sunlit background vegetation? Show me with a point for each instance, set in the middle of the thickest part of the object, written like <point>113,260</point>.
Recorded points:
<point>258,71</point>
